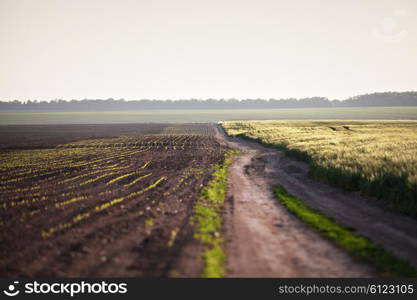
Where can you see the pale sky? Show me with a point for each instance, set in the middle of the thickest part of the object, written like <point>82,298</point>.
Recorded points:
<point>171,49</point>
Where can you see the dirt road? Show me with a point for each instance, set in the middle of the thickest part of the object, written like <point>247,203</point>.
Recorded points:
<point>264,240</point>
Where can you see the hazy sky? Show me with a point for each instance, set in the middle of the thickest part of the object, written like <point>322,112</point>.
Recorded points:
<point>169,49</point>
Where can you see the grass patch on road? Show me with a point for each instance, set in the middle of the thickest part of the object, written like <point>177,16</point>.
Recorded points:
<point>358,246</point>
<point>208,220</point>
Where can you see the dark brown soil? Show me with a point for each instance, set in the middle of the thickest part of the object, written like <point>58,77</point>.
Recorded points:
<point>47,136</point>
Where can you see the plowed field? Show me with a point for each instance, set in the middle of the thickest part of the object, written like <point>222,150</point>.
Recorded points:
<point>117,206</point>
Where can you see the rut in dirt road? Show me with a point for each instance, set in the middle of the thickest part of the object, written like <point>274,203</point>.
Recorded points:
<point>263,239</point>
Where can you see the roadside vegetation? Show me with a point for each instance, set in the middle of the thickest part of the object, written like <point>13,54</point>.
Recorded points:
<point>359,247</point>
<point>377,158</point>
<point>208,220</point>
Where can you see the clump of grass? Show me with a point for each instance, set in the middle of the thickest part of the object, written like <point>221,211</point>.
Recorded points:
<point>377,158</point>
<point>172,237</point>
<point>358,246</point>
<point>149,222</point>
<point>208,220</point>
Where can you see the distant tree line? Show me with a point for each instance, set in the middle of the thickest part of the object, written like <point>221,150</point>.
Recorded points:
<point>375,99</point>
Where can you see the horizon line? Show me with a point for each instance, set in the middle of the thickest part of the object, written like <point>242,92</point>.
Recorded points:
<point>206,99</point>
